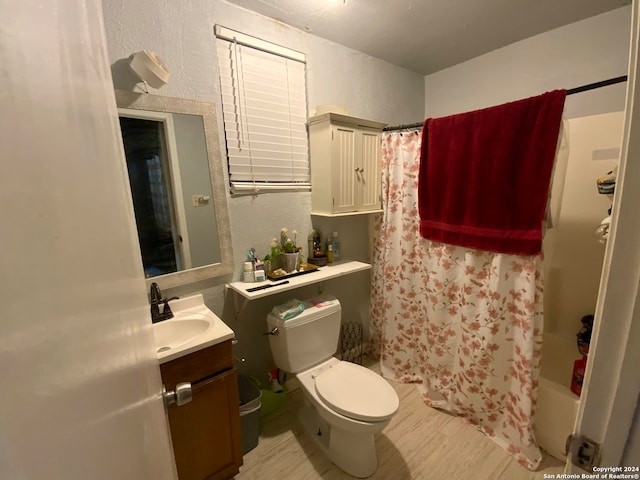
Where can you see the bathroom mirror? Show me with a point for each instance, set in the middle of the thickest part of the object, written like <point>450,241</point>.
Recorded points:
<point>177,184</point>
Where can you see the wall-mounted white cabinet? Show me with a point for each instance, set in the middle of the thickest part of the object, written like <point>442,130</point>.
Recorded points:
<point>345,164</point>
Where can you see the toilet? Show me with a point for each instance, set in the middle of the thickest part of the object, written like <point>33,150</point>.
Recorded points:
<point>345,404</point>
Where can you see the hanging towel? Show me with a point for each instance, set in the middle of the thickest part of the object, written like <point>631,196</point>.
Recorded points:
<point>485,175</point>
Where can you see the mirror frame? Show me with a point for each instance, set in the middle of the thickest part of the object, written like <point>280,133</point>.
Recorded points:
<point>158,103</point>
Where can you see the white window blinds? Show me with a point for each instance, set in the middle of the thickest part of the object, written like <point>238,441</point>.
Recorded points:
<point>265,112</point>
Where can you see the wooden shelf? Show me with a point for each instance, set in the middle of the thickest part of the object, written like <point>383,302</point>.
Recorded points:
<point>328,272</point>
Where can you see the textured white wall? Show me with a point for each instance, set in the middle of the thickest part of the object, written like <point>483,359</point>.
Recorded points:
<point>181,33</point>
<point>584,52</point>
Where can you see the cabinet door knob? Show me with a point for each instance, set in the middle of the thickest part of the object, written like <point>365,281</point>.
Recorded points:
<point>180,396</point>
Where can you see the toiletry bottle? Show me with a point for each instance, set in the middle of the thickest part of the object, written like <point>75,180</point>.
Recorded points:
<point>316,245</point>
<point>329,253</point>
<point>577,377</point>
<point>583,339</point>
<point>335,245</point>
<point>311,242</point>
<point>248,272</point>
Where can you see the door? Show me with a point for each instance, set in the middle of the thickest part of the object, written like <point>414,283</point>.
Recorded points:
<point>343,168</point>
<point>81,392</point>
<point>368,175</point>
<point>151,153</point>
<point>206,441</point>
<point>609,399</point>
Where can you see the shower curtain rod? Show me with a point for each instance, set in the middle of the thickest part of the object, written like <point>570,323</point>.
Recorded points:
<point>571,91</point>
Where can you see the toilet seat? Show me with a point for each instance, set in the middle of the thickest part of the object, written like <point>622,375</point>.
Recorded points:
<point>356,392</point>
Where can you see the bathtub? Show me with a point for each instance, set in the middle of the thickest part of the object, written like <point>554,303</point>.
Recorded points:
<point>557,405</point>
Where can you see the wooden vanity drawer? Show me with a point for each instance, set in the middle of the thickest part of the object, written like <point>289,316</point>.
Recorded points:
<point>197,365</point>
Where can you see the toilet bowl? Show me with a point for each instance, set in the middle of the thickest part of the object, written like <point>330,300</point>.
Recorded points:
<point>345,404</point>
<point>348,419</point>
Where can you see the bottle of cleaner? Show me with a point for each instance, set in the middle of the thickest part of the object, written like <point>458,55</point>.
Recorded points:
<point>329,253</point>
<point>335,246</point>
<point>577,377</point>
<point>583,339</point>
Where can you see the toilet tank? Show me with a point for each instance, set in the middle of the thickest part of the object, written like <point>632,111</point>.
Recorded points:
<point>308,338</point>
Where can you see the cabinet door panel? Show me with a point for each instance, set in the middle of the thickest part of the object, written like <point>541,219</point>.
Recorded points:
<point>343,168</point>
<point>206,432</point>
<point>345,164</point>
<point>369,175</point>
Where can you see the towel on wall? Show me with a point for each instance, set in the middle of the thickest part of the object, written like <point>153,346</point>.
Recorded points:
<point>485,175</point>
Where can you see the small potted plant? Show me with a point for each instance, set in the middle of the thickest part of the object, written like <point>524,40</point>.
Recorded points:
<point>288,249</point>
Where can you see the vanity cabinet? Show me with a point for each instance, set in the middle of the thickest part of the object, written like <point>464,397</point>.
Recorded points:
<point>205,432</point>
<point>345,164</point>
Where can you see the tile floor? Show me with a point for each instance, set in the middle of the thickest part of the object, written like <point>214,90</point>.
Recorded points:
<point>419,443</point>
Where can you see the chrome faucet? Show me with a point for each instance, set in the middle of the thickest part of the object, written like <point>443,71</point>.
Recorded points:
<point>155,300</point>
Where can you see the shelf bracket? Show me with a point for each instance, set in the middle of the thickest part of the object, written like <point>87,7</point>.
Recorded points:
<point>237,307</point>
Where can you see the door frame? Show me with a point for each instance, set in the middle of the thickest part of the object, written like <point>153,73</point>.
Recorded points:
<point>609,398</point>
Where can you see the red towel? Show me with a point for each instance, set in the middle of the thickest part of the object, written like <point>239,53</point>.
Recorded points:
<point>485,175</point>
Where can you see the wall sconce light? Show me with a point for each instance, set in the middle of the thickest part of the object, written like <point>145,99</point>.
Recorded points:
<point>148,67</point>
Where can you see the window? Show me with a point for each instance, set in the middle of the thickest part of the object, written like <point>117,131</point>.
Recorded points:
<point>265,113</point>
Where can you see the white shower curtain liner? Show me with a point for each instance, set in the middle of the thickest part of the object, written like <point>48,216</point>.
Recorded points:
<point>464,325</point>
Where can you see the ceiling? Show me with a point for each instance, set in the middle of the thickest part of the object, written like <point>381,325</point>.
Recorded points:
<point>428,35</point>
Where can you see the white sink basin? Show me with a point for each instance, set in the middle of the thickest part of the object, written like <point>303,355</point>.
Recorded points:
<point>192,328</point>
<point>171,334</point>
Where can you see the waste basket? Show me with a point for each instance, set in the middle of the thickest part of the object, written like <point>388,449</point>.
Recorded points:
<point>249,413</point>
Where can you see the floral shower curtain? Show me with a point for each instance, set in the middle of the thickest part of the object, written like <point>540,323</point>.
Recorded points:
<point>464,325</point>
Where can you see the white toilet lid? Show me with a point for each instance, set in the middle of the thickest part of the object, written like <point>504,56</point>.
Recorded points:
<point>357,392</point>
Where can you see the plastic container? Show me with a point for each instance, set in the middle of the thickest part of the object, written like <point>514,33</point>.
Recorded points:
<point>335,245</point>
<point>248,272</point>
<point>271,401</point>
<point>250,403</point>
<point>273,395</point>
